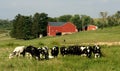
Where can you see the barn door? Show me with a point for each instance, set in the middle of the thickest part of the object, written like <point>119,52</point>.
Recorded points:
<point>58,33</point>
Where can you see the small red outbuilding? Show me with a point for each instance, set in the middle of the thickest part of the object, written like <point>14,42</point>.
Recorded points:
<point>60,28</point>
<point>92,27</point>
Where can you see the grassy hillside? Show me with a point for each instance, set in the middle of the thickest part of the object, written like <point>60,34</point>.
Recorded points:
<point>109,62</point>
<point>111,34</point>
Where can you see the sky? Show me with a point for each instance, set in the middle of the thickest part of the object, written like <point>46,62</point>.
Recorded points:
<point>55,8</point>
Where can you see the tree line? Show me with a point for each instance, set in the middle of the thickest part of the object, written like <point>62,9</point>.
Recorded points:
<point>108,21</point>
<point>30,27</point>
<point>5,24</point>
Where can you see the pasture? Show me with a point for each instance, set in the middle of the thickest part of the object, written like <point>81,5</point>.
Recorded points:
<point>108,62</point>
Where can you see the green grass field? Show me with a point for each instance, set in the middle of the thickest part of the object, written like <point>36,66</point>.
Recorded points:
<point>109,62</point>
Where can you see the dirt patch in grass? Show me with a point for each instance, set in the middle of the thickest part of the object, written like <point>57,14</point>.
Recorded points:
<point>104,43</point>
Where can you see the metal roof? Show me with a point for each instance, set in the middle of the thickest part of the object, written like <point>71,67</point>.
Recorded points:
<point>56,23</point>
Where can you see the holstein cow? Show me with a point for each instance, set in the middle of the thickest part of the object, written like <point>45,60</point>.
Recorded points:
<point>44,52</point>
<point>63,50</point>
<point>20,50</point>
<point>77,50</point>
<point>33,51</point>
<point>89,51</point>
<point>96,51</point>
<point>55,51</point>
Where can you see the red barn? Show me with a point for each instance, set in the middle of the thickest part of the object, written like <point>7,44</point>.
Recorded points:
<point>60,28</point>
<point>91,27</point>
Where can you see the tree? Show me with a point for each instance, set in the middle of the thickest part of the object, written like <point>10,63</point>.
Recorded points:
<point>39,24</point>
<point>76,20</point>
<point>104,15</point>
<point>114,20</point>
<point>116,17</point>
<point>5,24</point>
<point>36,25</point>
<point>86,20</point>
<point>64,18</point>
<point>21,27</point>
<point>27,28</point>
<point>14,32</point>
<point>50,19</point>
<point>43,23</point>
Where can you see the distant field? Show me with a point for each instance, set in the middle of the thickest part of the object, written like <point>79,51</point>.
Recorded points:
<point>109,62</point>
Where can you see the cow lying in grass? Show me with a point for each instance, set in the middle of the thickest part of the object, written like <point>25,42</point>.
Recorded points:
<point>18,51</point>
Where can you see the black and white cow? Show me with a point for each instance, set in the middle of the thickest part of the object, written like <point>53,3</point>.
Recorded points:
<point>63,50</point>
<point>96,51</point>
<point>76,50</point>
<point>18,51</point>
<point>44,52</point>
<point>70,50</point>
<point>89,51</point>
<point>55,51</point>
<point>83,51</point>
<point>33,51</point>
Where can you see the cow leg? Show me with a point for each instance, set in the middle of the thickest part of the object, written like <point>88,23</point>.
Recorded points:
<point>38,57</point>
<point>46,56</point>
<point>23,53</point>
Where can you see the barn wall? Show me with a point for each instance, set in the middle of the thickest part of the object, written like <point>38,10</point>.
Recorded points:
<point>67,28</point>
<point>53,30</point>
<point>91,27</point>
